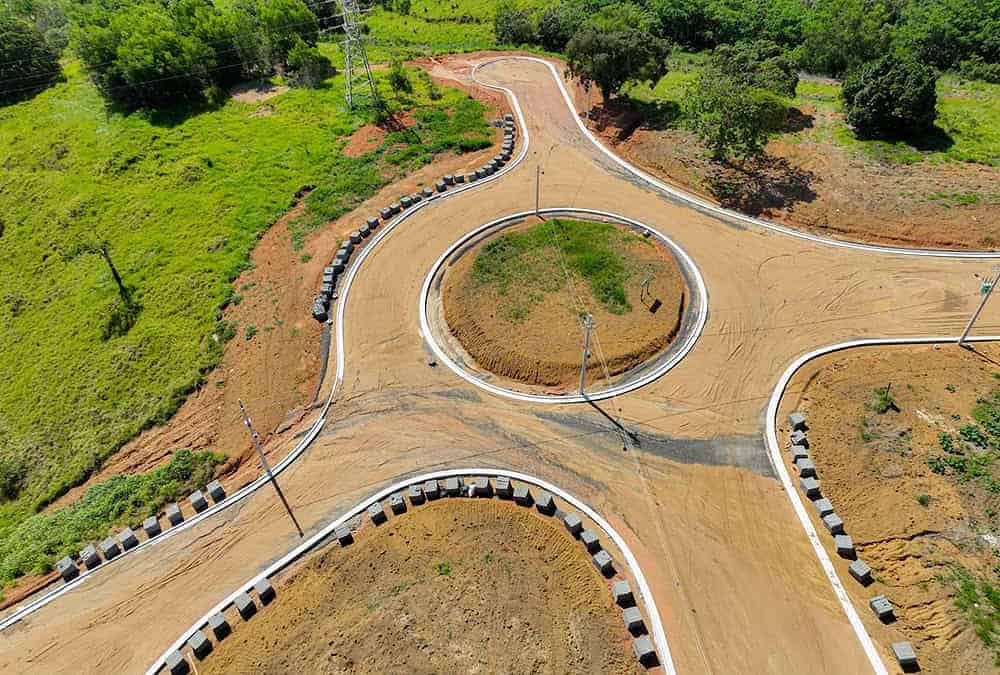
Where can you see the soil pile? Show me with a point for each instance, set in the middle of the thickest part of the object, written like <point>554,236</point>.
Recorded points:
<point>453,587</point>
<point>913,474</point>
<point>515,300</point>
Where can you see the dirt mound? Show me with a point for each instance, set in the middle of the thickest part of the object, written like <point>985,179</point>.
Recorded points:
<point>539,341</point>
<point>929,536</point>
<point>457,586</point>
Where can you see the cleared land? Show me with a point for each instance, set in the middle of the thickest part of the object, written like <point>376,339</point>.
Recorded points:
<point>515,301</point>
<point>455,586</point>
<point>914,473</point>
<point>181,198</point>
<point>940,191</point>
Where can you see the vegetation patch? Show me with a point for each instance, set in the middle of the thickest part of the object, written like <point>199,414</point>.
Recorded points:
<point>33,545</point>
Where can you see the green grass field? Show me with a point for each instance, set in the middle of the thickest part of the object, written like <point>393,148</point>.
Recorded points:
<point>181,197</point>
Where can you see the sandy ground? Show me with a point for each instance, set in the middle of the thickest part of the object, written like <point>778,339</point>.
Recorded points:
<point>457,586</point>
<point>873,483</point>
<point>810,182</point>
<point>544,347</point>
<point>738,587</point>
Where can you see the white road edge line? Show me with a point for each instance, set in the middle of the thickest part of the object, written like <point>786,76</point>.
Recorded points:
<point>774,450</point>
<point>645,593</point>
<point>700,291</point>
<point>37,602</point>
<point>701,204</point>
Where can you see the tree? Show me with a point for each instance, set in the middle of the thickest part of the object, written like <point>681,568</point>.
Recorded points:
<point>761,64</point>
<point>615,48</point>
<point>893,96</point>
<point>398,79</point>
<point>27,63</point>
<point>306,66</point>
<point>840,35</point>
<point>281,22</point>
<point>557,24</point>
<point>943,33</point>
<point>512,26</point>
<point>732,118</point>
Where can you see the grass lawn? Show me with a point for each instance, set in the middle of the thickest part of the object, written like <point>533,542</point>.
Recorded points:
<point>181,197</point>
<point>532,262</point>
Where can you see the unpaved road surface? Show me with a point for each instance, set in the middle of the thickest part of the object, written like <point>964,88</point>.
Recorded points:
<point>736,582</point>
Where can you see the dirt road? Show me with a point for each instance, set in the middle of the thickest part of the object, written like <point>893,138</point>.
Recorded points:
<point>737,584</point>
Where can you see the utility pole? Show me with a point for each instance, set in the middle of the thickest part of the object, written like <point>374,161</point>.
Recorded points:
<point>538,189</point>
<point>588,324</point>
<point>357,73</point>
<point>987,291</point>
<point>267,467</point>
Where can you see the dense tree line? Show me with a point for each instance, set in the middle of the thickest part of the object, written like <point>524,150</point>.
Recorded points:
<point>149,53</point>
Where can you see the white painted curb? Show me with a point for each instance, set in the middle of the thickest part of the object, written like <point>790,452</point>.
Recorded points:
<point>778,464</point>
<point>645,593</point>
<point>700,292</point>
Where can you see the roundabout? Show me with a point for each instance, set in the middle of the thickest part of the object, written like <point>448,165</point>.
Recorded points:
<point>662,343</point>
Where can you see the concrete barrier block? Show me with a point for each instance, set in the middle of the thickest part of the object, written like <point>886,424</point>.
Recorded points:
<point>220,627</point>
<point>200,645</point>
<point>405,202</point>
<point>833,523</point>
<point>882,608</point>
<point>416,495</point>
<point>428,192</point>
<point>245,606</point>
<point>799,438</point>
<point>432,490</point>
<point>416,198</point>
<point>177,664</point>
<point>109,548</point>
<point>265,591</point>
<point>197,499</point>
<point>372,223</point>
<point>905,656</point>
<point>67,569</point>
<point>482,487</point>
<point>344,535</point>
<point>365,231</point>
<point>453,486</point>
<point>215,491</point>
<point>806,467</point>
<point>396,207</point>
<point>845,546</point>
<point>151,526</point>
<point>545,504</point>
<point>811,487</point>
<point>522,495</point>
<point>459,177</point>
<point>472,176</point>
<point>604,563</point>
<point>89,557</point>
<point>798,452</point>
<point>326,290</point>
<point>319,311</point>
<point>590,541</point>
<point>494,164</point>
<point>622,594</point>
<point>504,488</point>
<point>448,179</point>
<point>377,513</point>
<point>642,647</point>
<point>823,507</point>
<point>633,621</point>
<point>480,173</point>
<point>397,505</point>
<point>797,421</point>
<point>385,213</point>
<point>174,515</point>
<point>573,524</point>
<point>440,186</point>
<point>355,237</point>
<point>508,117</point>
<point>861,572</point>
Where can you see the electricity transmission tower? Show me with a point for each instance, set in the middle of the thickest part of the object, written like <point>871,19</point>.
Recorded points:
<point>358,81</point>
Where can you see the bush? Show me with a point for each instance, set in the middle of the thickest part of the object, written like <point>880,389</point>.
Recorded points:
<point>306,66</point>
<point>978,69</point>
<point>732,118</point>
<point>762,65</point>
<point>891,97</point>
<point>512,26</point>
<point>943,33</point>
<point>840,35</point>
<point>398,79</point>
<point>557,24</point>
<point>27,63</point>
<point>616,47</point>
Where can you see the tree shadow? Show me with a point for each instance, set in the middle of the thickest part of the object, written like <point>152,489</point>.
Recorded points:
<point>761,184</point>
<point>626,114</point>
<point>797,121</point>
<point>8,98</point>
<point>934,139</point>
<point>172,116</point>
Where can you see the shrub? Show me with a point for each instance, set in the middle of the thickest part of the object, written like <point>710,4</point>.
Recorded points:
<point>840,35</point>
<point>891,97</point>
<point>306,66</point>
<point>761,64</point>
<point>978,69</point>
<point>512,26</point>
<point>398,79</point>
<point>883,401</point>
<point>557,24</point>
<point>27,63</point>
<point>731,118</point>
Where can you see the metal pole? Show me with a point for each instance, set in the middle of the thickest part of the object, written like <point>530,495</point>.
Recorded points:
<point>538,188</point>
<point>267,467</point>
<point>982,304</point>
<point>588,323</point>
